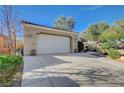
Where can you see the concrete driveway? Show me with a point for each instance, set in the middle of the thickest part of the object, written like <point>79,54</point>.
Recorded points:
<point>71,70</point>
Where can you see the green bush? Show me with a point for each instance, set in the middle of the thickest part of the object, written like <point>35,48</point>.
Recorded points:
<point>104,47</point>
<point>121,51</point>
<point>114,54</point>
<point>9,66</point>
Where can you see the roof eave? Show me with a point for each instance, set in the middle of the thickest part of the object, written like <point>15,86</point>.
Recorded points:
<point>46,28</point>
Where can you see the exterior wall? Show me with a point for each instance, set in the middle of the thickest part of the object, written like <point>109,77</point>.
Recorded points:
<point>31,32</point>
<point>19,43</point>
<point>2,49</point>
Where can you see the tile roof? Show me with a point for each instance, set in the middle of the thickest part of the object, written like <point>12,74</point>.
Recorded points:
<point>26,22</point>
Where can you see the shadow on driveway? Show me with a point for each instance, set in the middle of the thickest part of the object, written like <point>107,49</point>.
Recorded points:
<point>40,62</point>
<point>49,82</point>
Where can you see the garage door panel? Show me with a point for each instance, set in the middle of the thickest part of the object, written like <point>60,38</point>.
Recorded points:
<point>52,44</point>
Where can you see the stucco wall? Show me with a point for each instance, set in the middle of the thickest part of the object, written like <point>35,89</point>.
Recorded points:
<point>31,32</point>
<point>3,49</point>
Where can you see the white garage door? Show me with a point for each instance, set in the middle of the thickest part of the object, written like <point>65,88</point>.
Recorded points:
<point>52,44</point>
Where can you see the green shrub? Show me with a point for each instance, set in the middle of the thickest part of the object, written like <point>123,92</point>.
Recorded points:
<point>121,51</point>
<point>9,66</point>
<point>114,54</point>
<point>104,47</point>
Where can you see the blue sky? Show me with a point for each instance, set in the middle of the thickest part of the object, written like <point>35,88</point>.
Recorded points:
<point>83,15</point>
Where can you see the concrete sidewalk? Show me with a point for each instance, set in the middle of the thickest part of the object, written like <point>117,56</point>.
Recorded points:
<point>71,70</point>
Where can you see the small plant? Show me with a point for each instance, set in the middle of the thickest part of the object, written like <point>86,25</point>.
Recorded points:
<point>9,66</point>
<point>114,54</point>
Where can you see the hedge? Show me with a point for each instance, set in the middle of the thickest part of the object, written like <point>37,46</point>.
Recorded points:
<point>9,66</point>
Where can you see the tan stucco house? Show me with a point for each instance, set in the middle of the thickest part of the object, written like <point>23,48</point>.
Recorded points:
<point>3,45</point>
<point>47,40</point>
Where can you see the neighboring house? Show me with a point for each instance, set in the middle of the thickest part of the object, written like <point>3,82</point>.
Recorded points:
<point>19,43</point>
<point>4,48</point>
<point>19,46</point>
<point>3,45</point>
<point>47,40</point>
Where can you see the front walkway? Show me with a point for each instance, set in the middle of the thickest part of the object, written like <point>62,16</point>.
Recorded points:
<point>71,70</point>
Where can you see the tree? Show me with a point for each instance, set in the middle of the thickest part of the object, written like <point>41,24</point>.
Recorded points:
<point>107,37</point>
<point>102,27</point>
<point>64,23</point>
<point>120,23</point>
<point>88,34</point>
<point>111,39</point>
<point>120,30</point>
<point>9,26</point>
<point>60,23</point>
<point>70,23</point>
<point>112,34</point>
<point>94,31</point>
